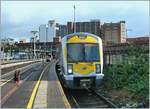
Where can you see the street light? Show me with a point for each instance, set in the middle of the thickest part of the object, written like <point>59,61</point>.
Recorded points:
<point>34,36</point>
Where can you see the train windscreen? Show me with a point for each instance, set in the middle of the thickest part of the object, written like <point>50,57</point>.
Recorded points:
<point>83,52</point>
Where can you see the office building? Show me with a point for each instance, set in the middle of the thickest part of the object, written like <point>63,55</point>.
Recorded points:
<point>51,30</point>
<point>47,32</point>
<point>42,33</point>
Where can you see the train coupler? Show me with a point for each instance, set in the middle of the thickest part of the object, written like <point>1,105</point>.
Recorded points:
<point>85,83</point>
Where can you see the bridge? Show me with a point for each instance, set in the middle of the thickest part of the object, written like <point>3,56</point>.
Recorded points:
<point>112,52</point>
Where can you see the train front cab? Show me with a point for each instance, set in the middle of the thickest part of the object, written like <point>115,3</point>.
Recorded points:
<point>84,61</point>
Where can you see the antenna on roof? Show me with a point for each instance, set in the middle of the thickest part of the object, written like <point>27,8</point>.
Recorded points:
<point>74,19</point>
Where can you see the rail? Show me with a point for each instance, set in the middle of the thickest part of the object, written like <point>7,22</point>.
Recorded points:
<point>89,99</point>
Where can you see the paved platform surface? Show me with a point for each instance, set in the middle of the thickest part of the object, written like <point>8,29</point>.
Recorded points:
<point>41,97</point>
<point>14,96</point>
<point>50,93</point>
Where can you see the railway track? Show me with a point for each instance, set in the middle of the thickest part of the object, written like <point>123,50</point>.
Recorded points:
<point>86,98</point>
<point>89,98</point>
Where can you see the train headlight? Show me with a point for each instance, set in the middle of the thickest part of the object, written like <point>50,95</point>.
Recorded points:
<point>70,69</point>
<point>98,68</point>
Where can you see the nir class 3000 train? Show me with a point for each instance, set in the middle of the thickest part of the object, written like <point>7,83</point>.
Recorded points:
<point>81,60</point>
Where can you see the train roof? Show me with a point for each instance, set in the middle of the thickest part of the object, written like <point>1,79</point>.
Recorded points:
<point>81,34</point>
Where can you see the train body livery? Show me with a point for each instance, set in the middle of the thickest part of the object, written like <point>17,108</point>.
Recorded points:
<point>81,60</point>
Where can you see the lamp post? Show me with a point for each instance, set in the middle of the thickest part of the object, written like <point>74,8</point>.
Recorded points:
<point>34,36</point>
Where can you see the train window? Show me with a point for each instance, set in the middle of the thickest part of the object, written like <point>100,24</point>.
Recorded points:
<point>92,52</point>
<point>83,52</point>
<point>74,52</point>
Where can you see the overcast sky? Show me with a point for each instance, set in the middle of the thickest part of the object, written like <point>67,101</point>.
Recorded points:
<point>20,17</point>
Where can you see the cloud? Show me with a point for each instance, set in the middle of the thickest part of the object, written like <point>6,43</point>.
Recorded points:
<point>20,17</point>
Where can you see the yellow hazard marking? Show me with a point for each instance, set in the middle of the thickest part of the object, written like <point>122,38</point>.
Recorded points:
<point>65,100</point>
<point>32,98</point>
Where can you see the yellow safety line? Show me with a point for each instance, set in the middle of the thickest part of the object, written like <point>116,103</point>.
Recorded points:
<point>31,100</point>
<point>65,100</point>
<point>5,82</point>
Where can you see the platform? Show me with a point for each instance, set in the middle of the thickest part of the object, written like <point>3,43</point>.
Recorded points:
<point>50,93</point>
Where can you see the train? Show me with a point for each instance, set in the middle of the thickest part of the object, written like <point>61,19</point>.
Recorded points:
<point>81,60</point>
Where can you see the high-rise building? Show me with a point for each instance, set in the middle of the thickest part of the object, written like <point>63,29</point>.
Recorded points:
<point>109,32</point>
<point>42,33</point>
<point>51,30</point>
<point>95,27</point>
<point>47,32</point>
<point>92,26</point>
<point>70,27</point>
<point>114,32</point>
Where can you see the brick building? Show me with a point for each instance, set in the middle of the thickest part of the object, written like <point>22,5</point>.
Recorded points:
<point>114,32</point>
<point>92,26</point>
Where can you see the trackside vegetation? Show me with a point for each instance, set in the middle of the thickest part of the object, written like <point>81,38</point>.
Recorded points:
<point>132,75</point>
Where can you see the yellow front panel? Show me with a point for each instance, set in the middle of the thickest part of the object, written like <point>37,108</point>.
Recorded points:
<point>76,39</point>
<point>84,68</point>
